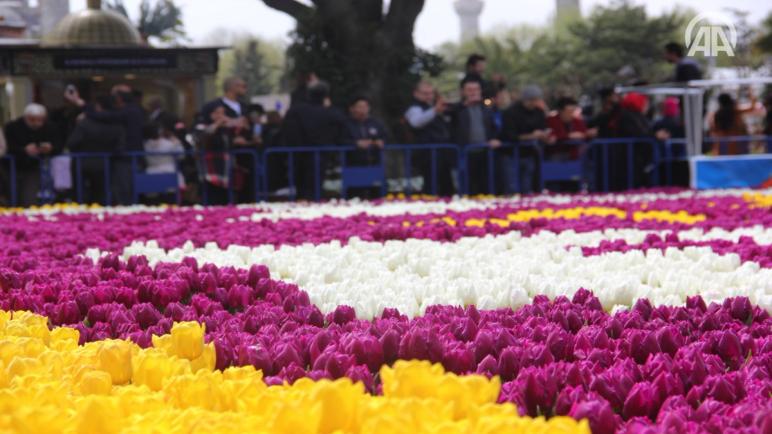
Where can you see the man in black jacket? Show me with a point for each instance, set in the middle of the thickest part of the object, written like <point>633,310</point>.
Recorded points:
<point>426,118</point>
<point>686,69</point>
<point>30,138</point>
<point>91,135</point>
<point>526,120</point>
<point>472,124</point>
<point>129,114</point>
<point>314,123</point>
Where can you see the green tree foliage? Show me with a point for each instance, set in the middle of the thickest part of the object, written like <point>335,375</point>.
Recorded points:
<point>161,20</point>
<point>250,65</point>
<point>360,47</point>
<point>764,43</point>
<point>615,44</point>
<point>266,58</point>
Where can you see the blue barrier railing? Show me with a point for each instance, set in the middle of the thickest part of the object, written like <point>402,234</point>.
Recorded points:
<point>78,158</point>
<point>629,143</point>
<point>661,152</point>
<point>434,161</point>
<point>11,178</point>
<point>490,153</point>
<point>293,152</point>
<point>675,149</point>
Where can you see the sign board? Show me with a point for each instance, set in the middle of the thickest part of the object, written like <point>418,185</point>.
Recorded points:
<point>118,60</point>
<point>737,171</point>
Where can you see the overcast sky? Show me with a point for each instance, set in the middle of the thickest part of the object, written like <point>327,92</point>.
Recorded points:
<point>436,24</point>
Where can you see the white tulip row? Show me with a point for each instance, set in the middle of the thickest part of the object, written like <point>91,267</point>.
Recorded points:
<point>494,271</point>
<point>342,208</point>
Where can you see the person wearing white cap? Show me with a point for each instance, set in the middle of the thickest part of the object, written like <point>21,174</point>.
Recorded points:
<point>30,138</point>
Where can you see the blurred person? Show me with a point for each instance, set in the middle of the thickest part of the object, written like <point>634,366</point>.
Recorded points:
<point>271,131</point>
<point>476,64</point>
<point>669,125</point>
<point>727,121</point>
<point>632,123</point>
<point>234,91</point>
<point>363,131</point>
<point>255,114</point>
<point>90,136</point>
<point>367,134</point>
<point>161,138</point>
<point>304,81</point>
<point>567,124</point>
<point>768,116</point>
<point>271,137</point>
<point>526,120</point>
<point>237,120</point>
<point>4,181</point>
<point>128,113</point>
<point>426,118</point>
<point>221,134</point>
<point>315,123</point>
<point>31,139</point>
<point>472,124</point>
<point>502,100</point>
<point>606,122</point>
<point>686,69</point>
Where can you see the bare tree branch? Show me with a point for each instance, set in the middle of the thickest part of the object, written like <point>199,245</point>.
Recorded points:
<point>293,8</point>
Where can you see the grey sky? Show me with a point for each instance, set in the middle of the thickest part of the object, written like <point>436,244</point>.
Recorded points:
<point>437,23</point>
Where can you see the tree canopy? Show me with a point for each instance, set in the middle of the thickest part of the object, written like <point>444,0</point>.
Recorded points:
<point>161,20</point>
<point>618,43</point>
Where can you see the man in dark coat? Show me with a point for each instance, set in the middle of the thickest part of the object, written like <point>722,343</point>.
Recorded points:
<point>526,120</point>
<point>90,136</point>
<point>314,123</point>
<point>472,124</point>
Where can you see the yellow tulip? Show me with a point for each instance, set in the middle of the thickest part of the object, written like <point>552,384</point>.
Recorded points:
<point>50,385</point>
<point>115,359</point>
<point>96,383</point>
<point>188,339</point>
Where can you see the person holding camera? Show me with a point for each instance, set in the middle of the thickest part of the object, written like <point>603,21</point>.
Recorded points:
<point>31,139</point>
<point>426,118</point>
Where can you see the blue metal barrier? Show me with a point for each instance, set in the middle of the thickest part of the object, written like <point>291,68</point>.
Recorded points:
<point>77,157</point>
<point>629,143</point>
<point>358,175</point>
<point>291,151</point>
<point>675,149</point>
<point>433,150</point>
<point>371,175</point>
<point>256,170</point>
<point>516,149</point>
<point>12,178</point>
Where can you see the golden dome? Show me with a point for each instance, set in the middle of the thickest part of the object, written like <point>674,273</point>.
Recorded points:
<point>93,27</point>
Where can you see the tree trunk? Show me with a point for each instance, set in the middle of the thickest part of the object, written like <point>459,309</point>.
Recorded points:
<point>367,48</point>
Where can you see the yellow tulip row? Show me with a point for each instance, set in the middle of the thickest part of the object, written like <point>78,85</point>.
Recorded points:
<point>568,214</point>
<point>48,383</point>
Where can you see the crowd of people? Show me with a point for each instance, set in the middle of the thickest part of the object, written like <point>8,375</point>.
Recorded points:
<point>488,115</point>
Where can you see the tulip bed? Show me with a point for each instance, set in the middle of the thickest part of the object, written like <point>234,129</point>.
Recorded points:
<point>638,312</point>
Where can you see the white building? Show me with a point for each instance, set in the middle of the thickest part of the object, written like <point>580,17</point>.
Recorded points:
<point>469,14</point>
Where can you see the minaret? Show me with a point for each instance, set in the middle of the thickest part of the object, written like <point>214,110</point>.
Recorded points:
<point>469,14</point>
<point>567,9</point>
<point>51,12</point>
